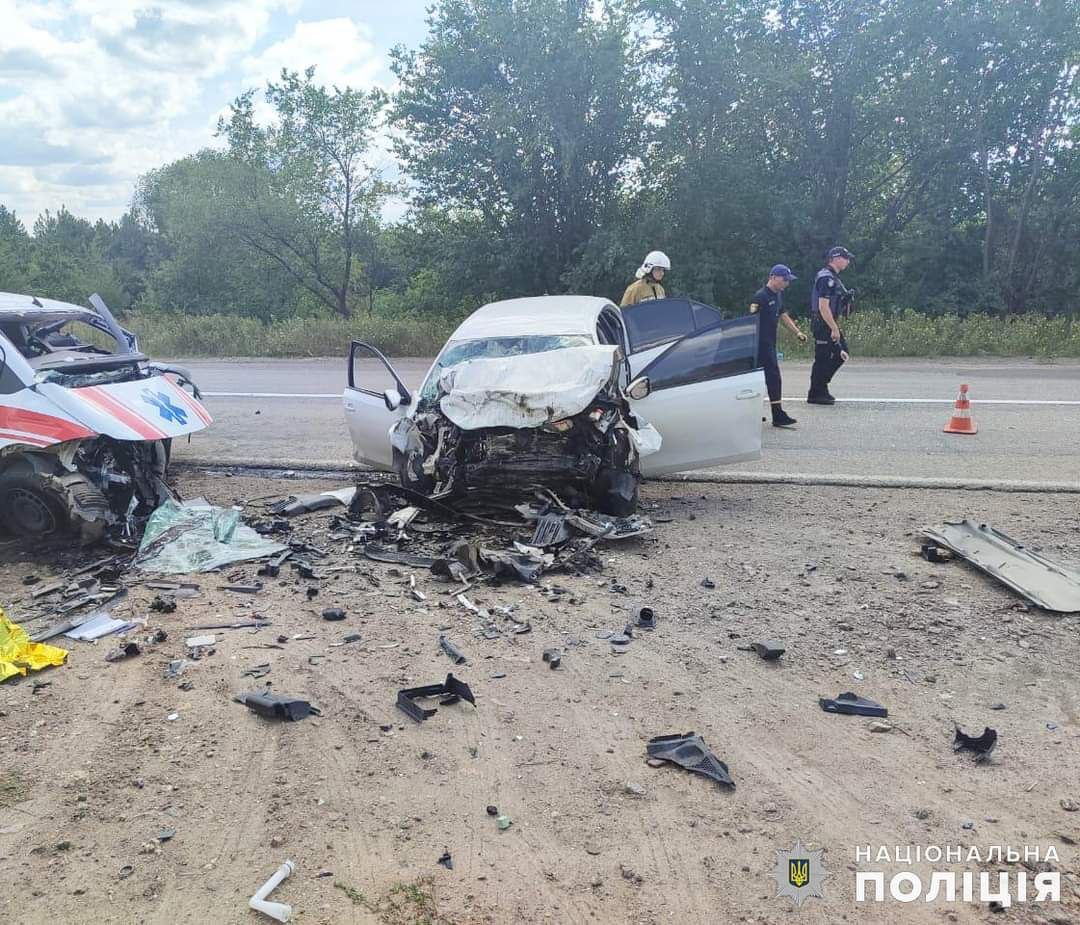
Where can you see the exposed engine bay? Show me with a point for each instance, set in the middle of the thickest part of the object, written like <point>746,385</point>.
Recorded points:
<point>576,439</point>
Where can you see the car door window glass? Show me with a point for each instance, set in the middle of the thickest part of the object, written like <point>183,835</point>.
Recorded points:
<point>608,330</point>
<point>658,321</point>
<point>727,349</point>
<point>371,372</point>
<point>488,347</point>
<point>705,316</point>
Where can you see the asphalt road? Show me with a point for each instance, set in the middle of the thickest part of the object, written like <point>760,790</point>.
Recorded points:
<point>888,422</point>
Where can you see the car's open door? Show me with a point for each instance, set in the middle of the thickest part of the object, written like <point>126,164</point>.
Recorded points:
<point>705,398</point>
<point>374,401</point>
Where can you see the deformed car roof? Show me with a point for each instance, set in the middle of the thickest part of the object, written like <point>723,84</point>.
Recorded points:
<point>19,309</point>
<point>546,314</point>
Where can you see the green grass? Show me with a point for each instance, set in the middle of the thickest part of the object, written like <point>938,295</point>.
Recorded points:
<point>404,903</point>
<point>910,334</point>
<point>162,335</point>
<point>869,334</point>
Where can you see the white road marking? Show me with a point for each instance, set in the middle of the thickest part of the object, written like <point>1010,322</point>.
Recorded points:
<point>866,401</point>
<point>336,395</point>
<point>949,401</point>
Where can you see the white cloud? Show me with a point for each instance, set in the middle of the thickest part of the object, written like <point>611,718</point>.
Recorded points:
<point>94,93</point>
<point>341,50</point>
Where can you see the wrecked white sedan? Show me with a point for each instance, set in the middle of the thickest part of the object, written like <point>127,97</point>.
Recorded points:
<point>566,393</point>
<point>85,430</point>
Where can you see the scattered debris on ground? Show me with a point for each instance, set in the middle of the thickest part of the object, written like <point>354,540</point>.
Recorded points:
<point>511,594</point>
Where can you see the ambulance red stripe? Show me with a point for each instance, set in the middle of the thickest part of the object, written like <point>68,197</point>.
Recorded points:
<point>49,428</point>
<point>195,406</point>
<point>125,415</point>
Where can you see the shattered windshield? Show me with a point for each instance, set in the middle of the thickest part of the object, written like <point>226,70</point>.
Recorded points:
<point>490,347</point>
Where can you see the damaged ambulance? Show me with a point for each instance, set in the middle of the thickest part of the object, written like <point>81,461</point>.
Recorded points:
<point>564,393</point>
<point>85,429</point>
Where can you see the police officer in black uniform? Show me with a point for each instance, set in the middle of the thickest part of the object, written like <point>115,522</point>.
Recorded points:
<point>768,304</point>
<point>829,302</point>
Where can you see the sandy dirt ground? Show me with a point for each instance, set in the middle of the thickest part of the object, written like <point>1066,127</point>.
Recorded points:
<point>95,775</point>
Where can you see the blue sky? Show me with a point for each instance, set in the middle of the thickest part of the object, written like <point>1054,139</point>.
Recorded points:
<point>94,93</point>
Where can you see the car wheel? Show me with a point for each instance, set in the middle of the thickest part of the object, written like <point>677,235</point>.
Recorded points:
<point>28,508</point>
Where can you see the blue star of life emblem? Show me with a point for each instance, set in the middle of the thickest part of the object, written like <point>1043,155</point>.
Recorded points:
<point>165,407</point>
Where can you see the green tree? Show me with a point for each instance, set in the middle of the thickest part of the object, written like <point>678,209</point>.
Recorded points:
<point>310,203</point>
<point>522,117</point>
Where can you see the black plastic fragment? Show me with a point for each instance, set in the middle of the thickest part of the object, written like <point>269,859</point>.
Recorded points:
<point>378,553</point>
<point>333,614</point>
<point>277,706</point>
<point>446,860</point>
<point>931,552</point>
<point>982,745</point>
<point>456,655</point>
<point>451,690</point>
<point>551,530</point>
<point>690,751</point>
<point>854,706</point>
<point>768,649</point>
<point>553,657</point>
<point>647,619</point>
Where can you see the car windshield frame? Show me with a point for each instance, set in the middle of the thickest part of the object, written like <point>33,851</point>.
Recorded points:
<point>548,343</point>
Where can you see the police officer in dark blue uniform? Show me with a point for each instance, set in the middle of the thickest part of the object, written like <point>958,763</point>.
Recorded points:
<point>768,304</point>
<point>829,302</point>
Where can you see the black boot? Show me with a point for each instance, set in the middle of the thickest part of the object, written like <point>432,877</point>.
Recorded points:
<point>820,398</point>
<point>780,418</point>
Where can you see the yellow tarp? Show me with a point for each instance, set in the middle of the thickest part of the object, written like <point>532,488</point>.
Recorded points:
<point>17,652</point>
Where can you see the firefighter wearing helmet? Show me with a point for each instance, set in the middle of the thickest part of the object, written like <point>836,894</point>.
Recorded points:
<point>649,276</point>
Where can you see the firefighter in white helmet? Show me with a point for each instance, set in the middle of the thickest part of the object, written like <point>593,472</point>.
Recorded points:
<point>649,276</point>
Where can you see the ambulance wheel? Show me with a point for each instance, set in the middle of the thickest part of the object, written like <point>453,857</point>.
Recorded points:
<point>28,508</point>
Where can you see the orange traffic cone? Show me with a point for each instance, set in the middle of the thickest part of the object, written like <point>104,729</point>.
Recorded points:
<point>961,422</point>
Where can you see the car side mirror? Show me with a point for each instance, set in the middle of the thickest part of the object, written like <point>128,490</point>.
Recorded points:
<point>639,388</point>
<point>394,399</point>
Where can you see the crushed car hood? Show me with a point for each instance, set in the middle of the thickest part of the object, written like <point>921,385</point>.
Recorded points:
<point>143,409</point>
<point>526,391</point>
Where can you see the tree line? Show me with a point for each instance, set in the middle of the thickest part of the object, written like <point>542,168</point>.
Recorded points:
<point>546,145</point>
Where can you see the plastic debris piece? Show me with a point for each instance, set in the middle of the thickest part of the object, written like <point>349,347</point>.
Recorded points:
<point>126,650</point>
<point>378,553</point>
<point>446,860</point>
<point>196,537</point>
<point>551,530</point>
<point>768,649</point>
<point>451,690</point>
<point>18,654</point>
<point>646,619</point>
<point>852,705</point>
<point>333,614</point>
<point>277,706</point>
<point>278,911</point>
<point>200,642</point>
<point>456,655</point>
<point>163,603</point>
<point>981,745</point>
<point>1046,583</point>
<point>553,657</point>
<point>100,625</point>
<point>689,751</point>
<point>504,822</point>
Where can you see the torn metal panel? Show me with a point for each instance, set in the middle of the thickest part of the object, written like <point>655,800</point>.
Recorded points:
<point>1042,581</point>
<point>527,390</point>
<point>85,431</point>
